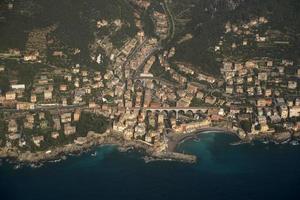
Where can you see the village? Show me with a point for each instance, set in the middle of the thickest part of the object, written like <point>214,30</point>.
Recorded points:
<point>253,98</point>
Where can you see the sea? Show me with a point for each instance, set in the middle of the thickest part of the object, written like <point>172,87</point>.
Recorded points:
<point>223,171</point>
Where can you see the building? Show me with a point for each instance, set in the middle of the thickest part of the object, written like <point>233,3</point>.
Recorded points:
<point>2,68</point>
<point>284,111</point>
<point>56,123</point>
<point>66,117</point>
<point>12,126</point>
<point>262,76</point>
<point>47,95</point>
<point>76,115</point>
<point>292,85</point>
<point>33,98</point>
<point>294,111</point>
<point>18,86</point>
<point>80,140</point>
<point>63,87</point>
<point>140,131</point>
<point>10,96</point>
<point>37,140</point>
<point>25,106</point>
<point>210,100</point>
<point>54,135</point>
<point>128,134</point>
<point>69,129</point>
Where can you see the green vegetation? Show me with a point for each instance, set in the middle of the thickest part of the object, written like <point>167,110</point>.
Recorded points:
<point>158,71</point>
<point>119,38</point>
<point>91,122</point>
<point>23,72</point>
<point>76,25</point>
<point>205,20</point>
<point>246,125</point>
<point>197,102</point>
<point>4,82</point>
<point>3,129</point>
<point>148,24</point>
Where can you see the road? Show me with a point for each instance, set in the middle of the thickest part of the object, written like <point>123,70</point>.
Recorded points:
<point>171,29</point>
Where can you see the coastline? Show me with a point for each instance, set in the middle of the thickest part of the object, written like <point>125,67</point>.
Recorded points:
<point>16,157</point>
<point>176,139</point>
<point>97,140</point>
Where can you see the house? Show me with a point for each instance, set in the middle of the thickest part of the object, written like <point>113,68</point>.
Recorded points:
<point>183,103</point>
<point>28,125</point>
<point>2,68</point>
<point>66,117</point>
<point>229,89</point>
<point>92,104</point>
<point>54,135</point>
<point>264,127</point>
<point>268,92</point>
<point>30,118</point>
<point>12,126</point>
<point>262,119</point>
<point>140,130</point>
<point>262,102</point>
<point>200,95</point>
<point>284,111</point>
<point>210,100</point>
<point>275,119</point>
<point>240,89</point>
<point>57,54</point>
<point>292,85</point>
<point>41,115</point>
<point>297,102</point>
<point>37,140</point>
<point>10,96</point>
<point>33,98</point>
<point>56,123</point>
<point>84,73</point>
<point>294,111</point>
<point>76,115</point>
<point>25,106</point>
<point>64,101</point>
<point>47,95</point>
<point>44,124</point>
<point>148,139</point>
<point>33,56</point>
<point>18,86</point>
<point>80,140</point>
<point>63,87</point>
<point>69,129</point>
<point>234,110</point>
<point>280,101</point>
<point>128,134</point>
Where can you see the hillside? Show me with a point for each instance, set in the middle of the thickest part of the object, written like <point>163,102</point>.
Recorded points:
<point>203,21</point>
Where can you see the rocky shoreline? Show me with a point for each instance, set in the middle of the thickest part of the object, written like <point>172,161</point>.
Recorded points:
<point>96,140</point>
<point>16,157</point>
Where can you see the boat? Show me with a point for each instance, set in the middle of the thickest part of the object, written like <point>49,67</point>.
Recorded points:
<point>265,142</point>
<point>38,165</point>
<point>294,142</point>
<point>17,167</point>
<point>286,141</point>
<point>94,154</point>
<point>55,161</point>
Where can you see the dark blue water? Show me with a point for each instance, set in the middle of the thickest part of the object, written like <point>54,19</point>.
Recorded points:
<point>223,172</point>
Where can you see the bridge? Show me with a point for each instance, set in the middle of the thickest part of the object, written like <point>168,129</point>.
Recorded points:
<point>176,110</point>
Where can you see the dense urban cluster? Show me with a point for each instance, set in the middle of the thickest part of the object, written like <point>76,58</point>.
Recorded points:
<point>146,97</point>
